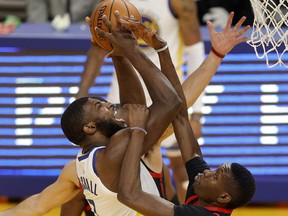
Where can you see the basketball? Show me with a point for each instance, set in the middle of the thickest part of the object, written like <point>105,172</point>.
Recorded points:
<point>108,7</point>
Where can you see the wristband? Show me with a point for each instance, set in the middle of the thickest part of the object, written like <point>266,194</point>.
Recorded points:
<point>216,53</point>
<point>162,49</point>
<point>139,128</point>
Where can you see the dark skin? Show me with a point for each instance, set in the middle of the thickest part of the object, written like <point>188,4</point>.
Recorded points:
<point>210,186</point>
<point>128,80</point>
<point>186,12</point>
<point>74,208</point>
<point>165,101</point>
<point>165,106</point>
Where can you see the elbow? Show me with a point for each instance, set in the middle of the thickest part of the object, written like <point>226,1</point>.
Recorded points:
<point>176,103</point>
<point>172,100</point>
<point>125,197</point>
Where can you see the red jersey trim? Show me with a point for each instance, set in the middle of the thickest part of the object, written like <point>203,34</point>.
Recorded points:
<point>80,186</point>
<point>218,209</point>
<point>210,208</point>
<point>156,175</point>
<point>190,199</point>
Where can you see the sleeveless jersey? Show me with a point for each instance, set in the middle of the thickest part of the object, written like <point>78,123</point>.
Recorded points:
<point>102,201</point>
<point>157,15</point>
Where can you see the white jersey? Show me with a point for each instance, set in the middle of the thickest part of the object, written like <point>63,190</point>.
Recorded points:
<point>157,15</point>
<point>102,201</point>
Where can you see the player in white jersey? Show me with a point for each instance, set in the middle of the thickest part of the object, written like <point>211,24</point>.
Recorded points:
<point>98,196</point>
<point>93,122</point>
<point>177,23</point>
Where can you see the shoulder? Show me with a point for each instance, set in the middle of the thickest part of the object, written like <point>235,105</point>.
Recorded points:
<point>69,167</point>
<point>123,134</point>
<point>69,172</point>
<point>119,139</point>
<point>115,149</point>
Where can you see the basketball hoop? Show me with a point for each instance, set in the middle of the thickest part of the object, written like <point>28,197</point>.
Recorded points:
<point>269,33</point>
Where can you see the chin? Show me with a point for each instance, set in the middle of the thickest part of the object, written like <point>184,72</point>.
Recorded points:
<point>110,127</point>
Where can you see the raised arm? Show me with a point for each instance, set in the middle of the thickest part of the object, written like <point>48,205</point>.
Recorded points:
<point>222,42</point>
<point>130,185</point>
<point>130,87</point>
<point>165,100</point>
<point>95,60</point>
<point>131,194</point>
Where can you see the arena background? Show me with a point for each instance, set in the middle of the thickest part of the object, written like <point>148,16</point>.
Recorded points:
<point>245,114</point>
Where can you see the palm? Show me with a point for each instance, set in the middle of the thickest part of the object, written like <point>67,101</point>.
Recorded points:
<point>224,41</point>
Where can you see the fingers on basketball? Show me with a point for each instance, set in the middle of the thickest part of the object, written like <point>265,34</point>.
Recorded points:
<point>108,8</point>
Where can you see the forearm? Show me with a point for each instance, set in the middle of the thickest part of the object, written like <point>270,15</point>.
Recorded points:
<point>183,131</point>
<point>129,183</point>
<point>28,207</point>
<point>127,80</point>
<point>152,77</point>
<point>196,83</point>
<point>168,68</point>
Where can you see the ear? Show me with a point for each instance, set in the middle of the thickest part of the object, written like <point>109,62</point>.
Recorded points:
<point>224,198</point>
<point>90,128</point>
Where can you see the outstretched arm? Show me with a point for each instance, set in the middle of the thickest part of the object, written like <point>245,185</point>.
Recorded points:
<point>165,100</point>
<point>64,189</point>
<point>126,76</point>
<point>129,183</point>
<point>130,87</point>
<point>222,42</point>
<point>95,60</point>
<point>131,194</point>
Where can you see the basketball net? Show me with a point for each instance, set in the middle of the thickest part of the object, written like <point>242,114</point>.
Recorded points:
<point>269,32</point>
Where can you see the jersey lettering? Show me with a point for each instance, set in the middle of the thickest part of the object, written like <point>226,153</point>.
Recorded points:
<point>88,185</point>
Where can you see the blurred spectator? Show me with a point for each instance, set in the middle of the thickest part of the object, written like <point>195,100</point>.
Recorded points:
<point>41,11</point>
<point>79,9</point>
<point>59,12</point>
<point>218,11</point>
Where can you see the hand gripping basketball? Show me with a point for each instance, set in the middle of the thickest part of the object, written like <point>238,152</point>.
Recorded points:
<point>108,8</point>
<point>121,39</point>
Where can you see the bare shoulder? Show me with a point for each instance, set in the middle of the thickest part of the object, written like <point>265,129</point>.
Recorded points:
<point>183,7</point>
<point>69,172</point>
<point>115,149</point>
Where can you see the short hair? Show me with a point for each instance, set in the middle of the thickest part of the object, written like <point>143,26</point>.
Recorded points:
<point>72,120</point>
<point>244,184</point>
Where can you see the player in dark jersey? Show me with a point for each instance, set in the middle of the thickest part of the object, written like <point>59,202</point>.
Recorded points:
<point>209,192</point>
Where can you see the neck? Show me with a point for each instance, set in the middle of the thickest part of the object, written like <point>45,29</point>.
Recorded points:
<point>203,203</point>
<point>86,147</point>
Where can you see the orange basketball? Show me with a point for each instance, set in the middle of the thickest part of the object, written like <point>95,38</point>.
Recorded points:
<point>108,7</point>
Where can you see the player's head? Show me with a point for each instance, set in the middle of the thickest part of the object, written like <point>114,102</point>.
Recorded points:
<point>89,114</point>
<point>231,185</point>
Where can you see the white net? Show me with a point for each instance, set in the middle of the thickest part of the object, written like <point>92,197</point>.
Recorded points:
<point>269,33</point>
